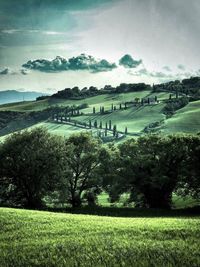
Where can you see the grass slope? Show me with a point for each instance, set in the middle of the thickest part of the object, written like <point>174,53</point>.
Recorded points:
<point>135,118</point>
<point>35,238</point>
<point>185,119</point>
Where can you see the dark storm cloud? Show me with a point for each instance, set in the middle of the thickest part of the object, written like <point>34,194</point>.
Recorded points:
<point>21,19</point>
<point>128,62</point>
<point>81,62</point>
<point>6,71</point>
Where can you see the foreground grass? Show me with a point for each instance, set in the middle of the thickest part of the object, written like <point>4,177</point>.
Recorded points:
<point>35,238</point>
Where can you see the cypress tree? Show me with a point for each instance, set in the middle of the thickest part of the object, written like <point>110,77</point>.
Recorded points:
<point>94,110</point>
<point>110,125</point>
<point>106,132</point>
<point>114,130</point>
<point>100,126</point>
<point>95,124</point>
<point>126,130</point>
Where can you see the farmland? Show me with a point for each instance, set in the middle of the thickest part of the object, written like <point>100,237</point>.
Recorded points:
<point>35,238</point>
<point>135,118</point>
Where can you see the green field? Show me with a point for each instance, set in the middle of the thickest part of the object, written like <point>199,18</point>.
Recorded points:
<point>35,238</point>
<point>134,118</point>
<point>186,119</point>
<point>178,202</point>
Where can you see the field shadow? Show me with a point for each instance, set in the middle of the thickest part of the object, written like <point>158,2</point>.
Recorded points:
<point>130,212</point>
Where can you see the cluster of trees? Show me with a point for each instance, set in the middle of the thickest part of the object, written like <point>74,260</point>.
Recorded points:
<point>77,93</point>
<point>35,164</point>
<point>189,87</point>
<point>174,104</point>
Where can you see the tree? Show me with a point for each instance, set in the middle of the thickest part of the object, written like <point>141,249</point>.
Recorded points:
<point>110,125</point>
<point>30,166</point>
<point>126,130</point>
<point>152,166</point>
<point>137,100</point>
<point>114,130</point>
<point>94,110</point>
<point>95,124</point>
<point>82,160</point>
<point>190,182</point>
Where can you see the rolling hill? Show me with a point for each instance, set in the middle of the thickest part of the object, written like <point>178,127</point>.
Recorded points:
<point>135,117</point>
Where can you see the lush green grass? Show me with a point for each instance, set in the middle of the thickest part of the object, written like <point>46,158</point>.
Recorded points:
<point>186,119</point>
<point>178,202</point>
<point>35,238</point>
<point>134,118</point>
<point>102,100</point>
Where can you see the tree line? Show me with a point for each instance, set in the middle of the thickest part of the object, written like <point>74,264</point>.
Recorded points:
<point>35,164</point>
<point>189,87</point>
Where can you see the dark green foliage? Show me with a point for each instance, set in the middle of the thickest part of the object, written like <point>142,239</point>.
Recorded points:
<point>35,164</point>
<point>114,130</point>
<point>95,124</point>
<point>110,125</point>
<point>30,167</point>
<point>152,167</point>
<point>82,159</point>
<point>76,93</point>
<point>175,104</point>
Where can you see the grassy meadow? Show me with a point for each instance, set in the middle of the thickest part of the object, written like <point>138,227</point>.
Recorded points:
<point>134,118</point>
<point>37,238</point>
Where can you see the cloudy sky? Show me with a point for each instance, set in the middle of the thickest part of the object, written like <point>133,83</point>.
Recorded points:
<point>47,45</point>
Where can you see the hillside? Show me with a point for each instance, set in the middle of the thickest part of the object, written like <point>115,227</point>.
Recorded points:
<point>121,109</point>
<point>36,238</point>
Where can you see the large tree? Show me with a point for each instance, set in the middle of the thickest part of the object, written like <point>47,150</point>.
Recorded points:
<point>153,166</point>
<point>30,166</point>
<point>82,160</point>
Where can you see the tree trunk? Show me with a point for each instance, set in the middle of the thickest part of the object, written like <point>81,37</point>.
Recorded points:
<point>158,199</point>
<point>76,201</point>
<point>34,203</point>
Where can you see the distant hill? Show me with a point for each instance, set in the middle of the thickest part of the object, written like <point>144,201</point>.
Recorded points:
<point>11,96</point>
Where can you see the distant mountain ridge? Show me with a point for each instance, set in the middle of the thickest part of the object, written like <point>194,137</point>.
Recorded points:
<point>11,96</point>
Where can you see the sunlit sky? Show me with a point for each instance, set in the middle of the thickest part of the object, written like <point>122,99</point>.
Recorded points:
<point>163,34</point>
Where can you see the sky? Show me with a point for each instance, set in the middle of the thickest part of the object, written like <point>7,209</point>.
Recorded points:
<point>48,45</point>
